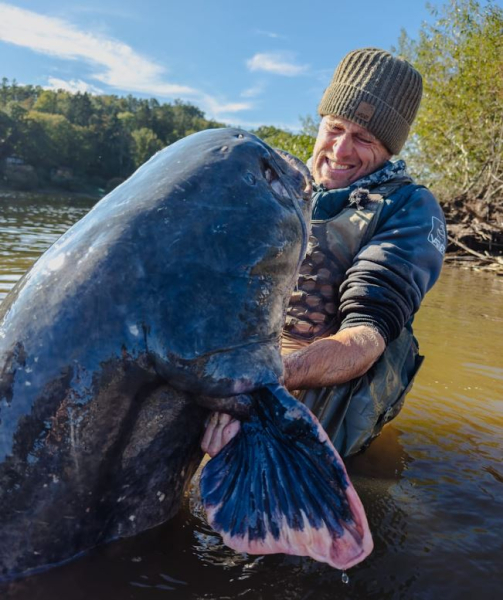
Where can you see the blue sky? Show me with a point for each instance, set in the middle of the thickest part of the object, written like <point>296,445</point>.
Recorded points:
<point>243,62</point>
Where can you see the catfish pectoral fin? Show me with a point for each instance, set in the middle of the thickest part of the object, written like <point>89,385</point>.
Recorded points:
<point>280,486</point>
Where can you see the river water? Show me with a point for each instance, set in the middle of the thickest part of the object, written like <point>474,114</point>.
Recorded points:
<point>432,483</point>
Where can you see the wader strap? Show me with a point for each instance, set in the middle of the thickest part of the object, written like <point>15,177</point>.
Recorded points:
<point>313,309</point>
<point>353,413</point>
<point>379,194</point>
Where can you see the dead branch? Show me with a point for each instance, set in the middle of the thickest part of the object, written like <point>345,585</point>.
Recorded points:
<point>492,259</point>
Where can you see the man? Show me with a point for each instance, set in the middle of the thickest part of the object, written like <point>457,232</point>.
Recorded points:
<point>376,248</point>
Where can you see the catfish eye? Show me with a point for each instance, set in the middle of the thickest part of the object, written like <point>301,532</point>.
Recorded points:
<point>250,178</point>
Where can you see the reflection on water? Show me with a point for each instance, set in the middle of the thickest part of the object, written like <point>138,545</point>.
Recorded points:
<point>432,484</point>
<point>29,224</point>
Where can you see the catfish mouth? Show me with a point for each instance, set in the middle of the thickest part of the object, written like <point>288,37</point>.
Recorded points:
<point>291,182</point>
<point>295,179</point>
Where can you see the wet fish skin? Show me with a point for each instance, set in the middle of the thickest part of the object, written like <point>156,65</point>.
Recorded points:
<point>173,286</point>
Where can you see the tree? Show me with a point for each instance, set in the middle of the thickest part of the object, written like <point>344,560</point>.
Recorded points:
<point>47,102</point>
<point>79,109</point>
<point>8,135</point>
<point>65,144</point>
<point>146,143</point>
<point>310,125</point>
<point>127,120</point>
<point>300,144</point>
<point>4,91</point>
<point>457,142</point>
<point>102,138</point>
<point>112,145</point>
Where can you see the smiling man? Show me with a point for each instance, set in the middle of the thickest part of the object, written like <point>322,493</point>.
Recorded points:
<point>376,248</point>
<point>344,152</point>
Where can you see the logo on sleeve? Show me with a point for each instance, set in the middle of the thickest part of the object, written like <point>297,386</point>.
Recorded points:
<point>437,235</point>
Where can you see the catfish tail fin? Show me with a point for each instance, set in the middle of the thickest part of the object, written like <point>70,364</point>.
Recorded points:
<point>280,486</point>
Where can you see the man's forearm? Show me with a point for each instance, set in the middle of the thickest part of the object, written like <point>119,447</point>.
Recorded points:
<point>333,360</point>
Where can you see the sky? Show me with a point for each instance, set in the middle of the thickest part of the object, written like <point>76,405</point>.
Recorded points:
<point>243,62</point>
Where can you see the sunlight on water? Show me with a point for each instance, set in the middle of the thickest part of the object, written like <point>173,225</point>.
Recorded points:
<point>432,483</point>
<point>28,226</point>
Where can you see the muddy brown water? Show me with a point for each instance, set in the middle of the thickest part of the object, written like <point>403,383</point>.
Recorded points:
<point>432,484</point>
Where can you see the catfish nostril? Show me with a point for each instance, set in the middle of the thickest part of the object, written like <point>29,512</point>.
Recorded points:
<point>270,175</point>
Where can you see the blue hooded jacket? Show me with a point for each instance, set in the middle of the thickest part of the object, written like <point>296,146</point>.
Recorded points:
<point>391,274</point>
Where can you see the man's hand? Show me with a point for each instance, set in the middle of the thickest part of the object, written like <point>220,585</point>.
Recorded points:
<point>337,359</point>
<point>220,430</point>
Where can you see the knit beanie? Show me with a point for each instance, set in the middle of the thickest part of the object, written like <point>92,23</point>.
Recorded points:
<point>378,91</point>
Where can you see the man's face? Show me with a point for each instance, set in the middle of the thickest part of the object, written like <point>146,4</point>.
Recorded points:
<point>344,152</point>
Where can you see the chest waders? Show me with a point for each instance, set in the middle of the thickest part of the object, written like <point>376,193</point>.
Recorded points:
<point>352,413</point>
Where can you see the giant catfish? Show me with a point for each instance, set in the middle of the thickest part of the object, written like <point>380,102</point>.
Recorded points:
<point>166,300</point>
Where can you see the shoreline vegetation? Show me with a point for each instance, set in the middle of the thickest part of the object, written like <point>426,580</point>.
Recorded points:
<point>57,142</point>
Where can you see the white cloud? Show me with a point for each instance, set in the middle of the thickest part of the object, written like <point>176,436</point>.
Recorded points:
<point>270,34</point>
<point>253,91</point>
<point>73,86</point>
<point>279,63</point>
<point>119,65</point>
<point>116,64</point>
<point>216,107</point>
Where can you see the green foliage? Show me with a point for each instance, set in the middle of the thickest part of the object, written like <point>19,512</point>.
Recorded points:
<point>8,134</point>
<point>47,102</point>
<point>300,145</point>
<point>57,142</point>
<point>310,125</point>
<point>97,138</point>
<point>457,142</point>
<point>146,143</point>
<point>102,139</point>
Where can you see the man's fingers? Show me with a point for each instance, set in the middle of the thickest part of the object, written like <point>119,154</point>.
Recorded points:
<point>220,430</point>
<point>230,430</point>
<point>217,442</point>
<point>208,434</point>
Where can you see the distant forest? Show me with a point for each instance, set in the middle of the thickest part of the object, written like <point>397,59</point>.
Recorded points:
<point>83,142</point>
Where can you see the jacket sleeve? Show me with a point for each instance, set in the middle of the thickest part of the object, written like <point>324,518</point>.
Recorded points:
<point>391,274</point>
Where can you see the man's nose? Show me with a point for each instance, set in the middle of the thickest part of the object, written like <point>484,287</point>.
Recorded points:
<point>343,145</point>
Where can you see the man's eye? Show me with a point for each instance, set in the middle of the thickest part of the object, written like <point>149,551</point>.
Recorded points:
<point>335,129</point>
<point>365,140</point>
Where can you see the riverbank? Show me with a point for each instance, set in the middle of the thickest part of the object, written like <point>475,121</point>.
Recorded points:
<point>475,233</point>
<point>468,261</point>
<point>52,193</point>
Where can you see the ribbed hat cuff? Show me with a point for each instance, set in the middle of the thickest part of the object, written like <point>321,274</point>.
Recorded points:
<point>388,126</point>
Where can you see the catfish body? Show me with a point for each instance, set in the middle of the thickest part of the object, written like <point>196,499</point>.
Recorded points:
<point>173,286</point>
